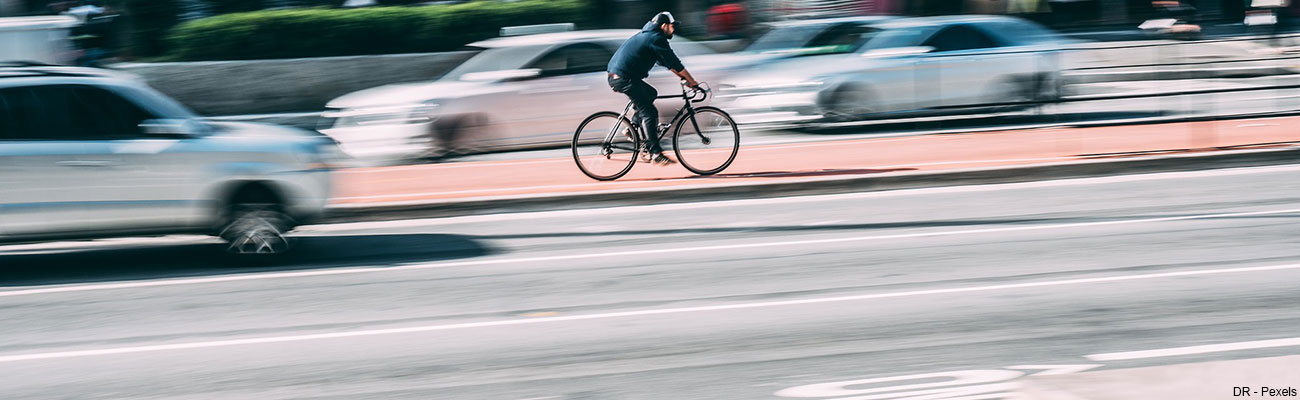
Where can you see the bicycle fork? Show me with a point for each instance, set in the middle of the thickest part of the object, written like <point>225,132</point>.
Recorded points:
<point>696,124</point>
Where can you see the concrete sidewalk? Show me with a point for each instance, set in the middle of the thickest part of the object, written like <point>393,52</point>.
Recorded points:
<point>834,166</point>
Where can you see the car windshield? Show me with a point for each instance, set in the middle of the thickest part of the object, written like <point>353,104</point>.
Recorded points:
<point>784,38</point>
<point>496,59</point>
<point>816,39</point>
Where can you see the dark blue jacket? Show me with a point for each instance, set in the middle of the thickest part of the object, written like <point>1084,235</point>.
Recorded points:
<point>639,53</point>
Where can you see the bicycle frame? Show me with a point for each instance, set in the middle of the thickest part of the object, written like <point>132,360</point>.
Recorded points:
<point>687,111</point>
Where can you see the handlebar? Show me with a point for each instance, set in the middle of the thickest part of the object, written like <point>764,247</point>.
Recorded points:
<point>696,95</point>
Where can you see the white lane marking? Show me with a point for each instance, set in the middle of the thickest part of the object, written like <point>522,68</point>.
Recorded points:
<point>786,200</point>
<point>1182,351</point>
<point>615,254</point>
<point>948,385</point>
<point>1056,369</point>
<point>992,384</point>
<point>624,314</point>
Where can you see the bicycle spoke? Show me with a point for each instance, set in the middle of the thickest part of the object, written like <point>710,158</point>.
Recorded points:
<point>605,146</point>
<point>708,143</point>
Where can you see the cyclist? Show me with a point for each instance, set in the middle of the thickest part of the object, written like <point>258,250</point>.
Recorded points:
<point>631,64</point>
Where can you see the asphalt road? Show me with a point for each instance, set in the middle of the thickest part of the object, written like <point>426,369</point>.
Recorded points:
<point>716,300</point>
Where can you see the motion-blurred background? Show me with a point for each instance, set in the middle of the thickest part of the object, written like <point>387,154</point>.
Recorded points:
<point>933,199</point>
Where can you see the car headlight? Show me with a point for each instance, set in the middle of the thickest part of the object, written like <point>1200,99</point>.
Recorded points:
<point>387,115</point>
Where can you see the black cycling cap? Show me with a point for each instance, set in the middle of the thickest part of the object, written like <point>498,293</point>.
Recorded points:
<point>665,18</point>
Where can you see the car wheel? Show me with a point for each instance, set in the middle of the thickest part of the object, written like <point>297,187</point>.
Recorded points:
<point>452,136</point>
<point>848,103</point>
<point>1012,95</point>
<point>256,225</point>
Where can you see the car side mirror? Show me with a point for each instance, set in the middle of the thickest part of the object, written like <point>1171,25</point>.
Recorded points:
<point>172,127</point>
<point>899,51</point>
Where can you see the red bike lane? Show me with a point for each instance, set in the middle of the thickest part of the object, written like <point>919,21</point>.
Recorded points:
<point>815,160</point>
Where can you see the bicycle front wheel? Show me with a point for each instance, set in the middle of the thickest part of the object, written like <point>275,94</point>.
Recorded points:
<point>708,144</point>
<point>605,146</point>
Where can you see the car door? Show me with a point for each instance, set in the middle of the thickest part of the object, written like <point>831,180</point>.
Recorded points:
<point>90,168</point>
<point>1025,66</point>
<point>139,181</point>
<point>961,65</point>
<point>48,191</point>
<point>27,163</point>
<point>570,87</point>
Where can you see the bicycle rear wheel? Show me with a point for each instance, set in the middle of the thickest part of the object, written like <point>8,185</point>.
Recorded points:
<point>605,146</point>
<point>712,147</point>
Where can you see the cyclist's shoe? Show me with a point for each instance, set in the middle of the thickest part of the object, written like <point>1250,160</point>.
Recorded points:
<point>662,160</point>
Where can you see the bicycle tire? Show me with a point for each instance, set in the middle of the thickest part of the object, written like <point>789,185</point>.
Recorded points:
<point>709,157</point>
<point>605,163</point>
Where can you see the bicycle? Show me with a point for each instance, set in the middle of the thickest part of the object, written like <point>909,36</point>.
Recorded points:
<point>607,144</point>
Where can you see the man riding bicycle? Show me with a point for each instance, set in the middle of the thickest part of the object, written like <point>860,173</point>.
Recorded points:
<point>631,64</point>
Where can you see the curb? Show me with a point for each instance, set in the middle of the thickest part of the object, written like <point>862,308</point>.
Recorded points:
<point>982,176</point>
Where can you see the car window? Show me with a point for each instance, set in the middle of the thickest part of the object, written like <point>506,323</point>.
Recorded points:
<point>960,37</point>
<point>71,112</point>
<point>843,38</point>
<point>685,48</point>
<point>495,59</point>
<point>1019,32</point>
<point>894,38</point>
<point>27,117</point>
<point>109,116</point>
<point>574,59</point>
<point>9,122</point>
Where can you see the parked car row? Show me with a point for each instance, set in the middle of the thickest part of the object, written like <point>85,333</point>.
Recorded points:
<point>530,91</point>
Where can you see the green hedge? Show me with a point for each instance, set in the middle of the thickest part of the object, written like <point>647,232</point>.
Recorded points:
<point>296,33</point>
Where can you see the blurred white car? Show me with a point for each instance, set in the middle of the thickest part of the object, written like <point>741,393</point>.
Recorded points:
<point>518,92</point>
<point>906,66</point>
<point>88,153</point>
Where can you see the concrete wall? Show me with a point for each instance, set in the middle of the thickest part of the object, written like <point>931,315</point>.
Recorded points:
<point>293,85</point>
<point>297,85</point>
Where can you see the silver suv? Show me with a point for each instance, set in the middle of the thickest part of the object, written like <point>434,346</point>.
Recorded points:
<point>87,153</point>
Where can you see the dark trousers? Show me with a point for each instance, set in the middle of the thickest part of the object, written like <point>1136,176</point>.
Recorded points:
<point>643,101</point>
